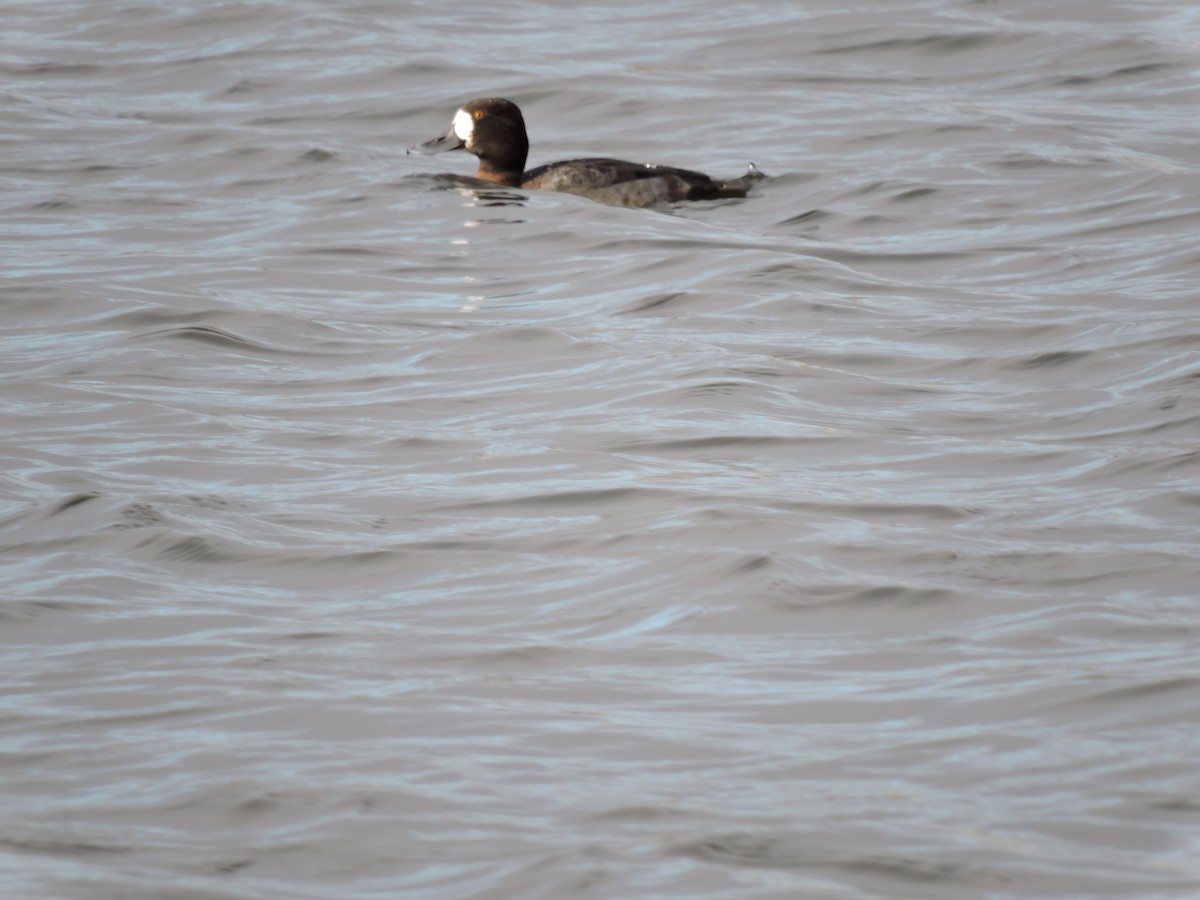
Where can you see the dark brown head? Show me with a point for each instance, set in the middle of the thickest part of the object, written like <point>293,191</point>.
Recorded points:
<point>493,130</point>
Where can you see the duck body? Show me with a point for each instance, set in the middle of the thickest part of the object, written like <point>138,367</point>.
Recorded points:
<point>494,130</point>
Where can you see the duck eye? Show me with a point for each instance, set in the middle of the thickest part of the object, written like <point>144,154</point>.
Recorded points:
<point>478,114</point>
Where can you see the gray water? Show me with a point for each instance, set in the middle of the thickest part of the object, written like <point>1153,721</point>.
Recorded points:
<point>362,535</point>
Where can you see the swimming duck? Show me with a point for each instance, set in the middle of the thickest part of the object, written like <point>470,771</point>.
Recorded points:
<point>494,130</point>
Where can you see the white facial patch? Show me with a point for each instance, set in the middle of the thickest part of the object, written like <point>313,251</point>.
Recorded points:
<point>464,126</point>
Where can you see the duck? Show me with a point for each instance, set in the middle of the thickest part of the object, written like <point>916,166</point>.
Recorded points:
<point>493,129</point>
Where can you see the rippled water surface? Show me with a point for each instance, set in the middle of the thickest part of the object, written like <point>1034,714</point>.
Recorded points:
<point>366,535</point>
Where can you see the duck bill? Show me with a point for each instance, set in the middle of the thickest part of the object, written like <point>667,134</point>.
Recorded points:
<point>448,141</point>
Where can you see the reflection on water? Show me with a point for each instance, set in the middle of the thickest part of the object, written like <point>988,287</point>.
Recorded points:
<point>479,192</point>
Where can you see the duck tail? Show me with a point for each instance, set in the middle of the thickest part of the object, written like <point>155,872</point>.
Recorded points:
<point>739,187</point>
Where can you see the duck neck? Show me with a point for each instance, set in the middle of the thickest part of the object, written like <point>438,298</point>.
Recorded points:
<point>488,172</point>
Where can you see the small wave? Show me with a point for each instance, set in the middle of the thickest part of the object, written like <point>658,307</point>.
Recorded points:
<point>791,851</point>
<point>211,336</point>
